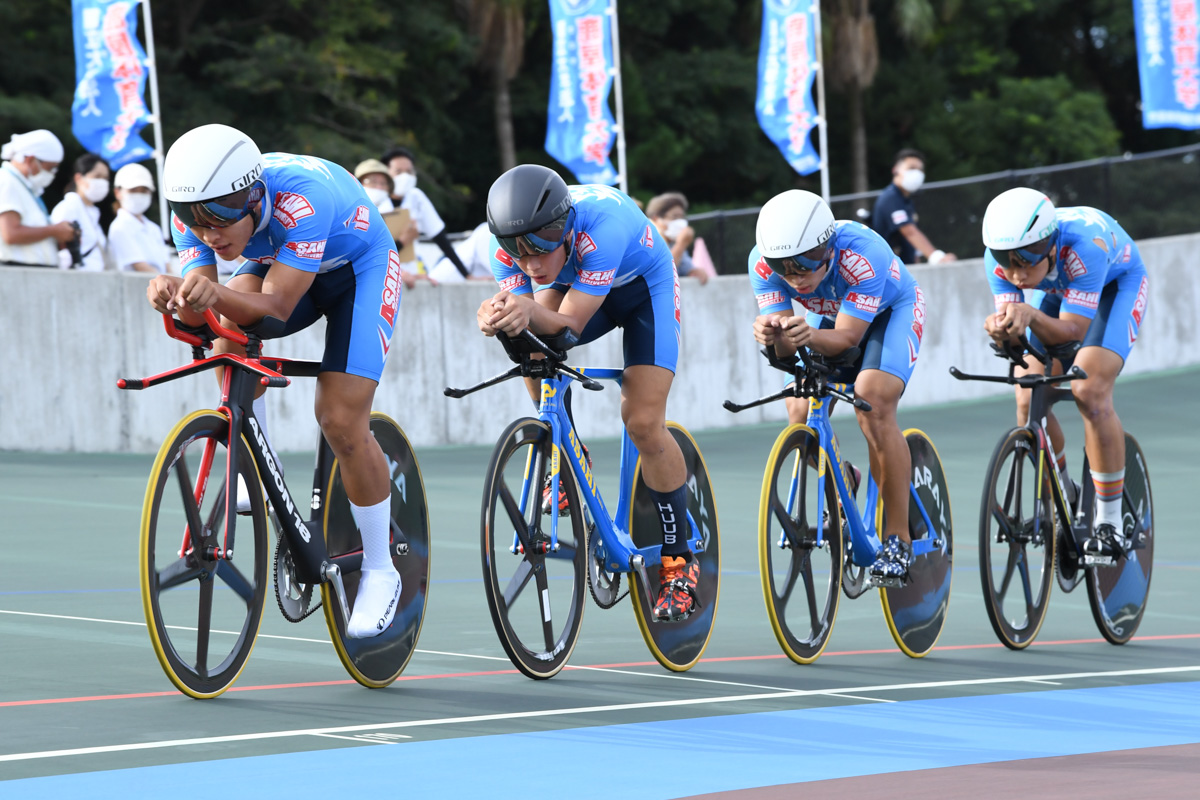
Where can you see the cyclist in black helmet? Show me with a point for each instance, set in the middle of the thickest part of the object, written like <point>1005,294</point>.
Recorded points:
<point>585,257</point>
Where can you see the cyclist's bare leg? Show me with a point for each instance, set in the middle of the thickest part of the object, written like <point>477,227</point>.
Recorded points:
<point>644,390</point>
<point>343,410</point>
<point>1052,426</point>
<point>797,410</point>
<point>891,462</point>
<point>1103,434</point>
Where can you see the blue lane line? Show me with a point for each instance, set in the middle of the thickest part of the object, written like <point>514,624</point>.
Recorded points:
<point>658,760</point>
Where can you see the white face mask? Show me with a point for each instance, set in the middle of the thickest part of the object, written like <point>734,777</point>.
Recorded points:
<point>96,190</point>
<point>135,202</point>
<point>43,179</point>
<point>378,196</point>
<point>403,182</point>
<point>912,180</point>
<point>675,227</point>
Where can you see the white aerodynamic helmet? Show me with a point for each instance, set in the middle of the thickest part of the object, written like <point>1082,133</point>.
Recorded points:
<point>795,232</point>
<point>1020,221</point>
<point>212,177</point>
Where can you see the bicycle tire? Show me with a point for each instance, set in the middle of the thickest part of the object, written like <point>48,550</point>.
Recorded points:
<point>166,567</point>
<point>526,621</point>
<point>377,661</point>
<point>1118,594</point>
<point>678,646</point>
<point>916,612</point>
<point>1017,539</point>
<point>787,551</point>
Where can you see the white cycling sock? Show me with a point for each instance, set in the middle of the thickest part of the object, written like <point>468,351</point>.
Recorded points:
<point>1108,498</point>
<point>375,526</point>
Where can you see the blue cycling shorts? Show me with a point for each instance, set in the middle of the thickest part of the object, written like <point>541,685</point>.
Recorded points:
<point>649,313</point>
<point>359,301</point>
<point>892,340</point>
<point>1119,314</point>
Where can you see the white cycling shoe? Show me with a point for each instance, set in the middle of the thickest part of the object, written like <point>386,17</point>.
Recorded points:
<point>376,604</point>
<point>243,496</point>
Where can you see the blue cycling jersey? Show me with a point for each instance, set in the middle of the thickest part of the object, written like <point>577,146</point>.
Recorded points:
<point>865,277</point>
<point>1093,251</point>
<point>316,217</point>
<point>613,245</point>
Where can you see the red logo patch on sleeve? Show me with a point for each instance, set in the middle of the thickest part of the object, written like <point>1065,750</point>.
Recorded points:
<point>584,245</point>
<point>863,302</point>
<point>177,223</point>
<point>763,270</point>
<point>767,299</point>
<point>314,251</point>
<point>513,282</point>
<point>855,268</point>
<point>597,278</point>
<point>1073,264</point>
<point>188,256</point>
<point>1082,299</point>
<point>290,208</point>
<point>503,257</point>
<point>361,219</point>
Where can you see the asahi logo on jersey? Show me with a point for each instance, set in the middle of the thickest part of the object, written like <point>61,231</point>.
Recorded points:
<point>391,289</point>
<point>855,268</point>
<point>767,299</point>
<point>290,208</point>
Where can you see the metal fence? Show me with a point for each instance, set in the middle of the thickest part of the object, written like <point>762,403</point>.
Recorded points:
<point>1150,194</point>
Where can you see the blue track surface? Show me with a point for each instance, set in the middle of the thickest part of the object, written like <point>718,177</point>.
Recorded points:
<point>722,753</point>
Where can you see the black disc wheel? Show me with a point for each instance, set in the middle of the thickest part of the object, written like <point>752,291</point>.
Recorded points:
<point>1017,538</point>
<point>916,611</point>
<point>678,645</point>
<point>800,553</point>
<point>1118,594</point>
<point>203,583</point>
<point>535,589</point>
<point>377,661</point>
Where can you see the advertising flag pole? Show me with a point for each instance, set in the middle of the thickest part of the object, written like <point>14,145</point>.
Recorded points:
<point>623,173</point>
<point>821,125</point>
<point>155,118</point>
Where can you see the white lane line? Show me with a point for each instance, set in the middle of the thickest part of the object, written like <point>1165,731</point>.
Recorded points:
<point>860,697</point>
<point>675,676</point>
<point>385,738</point>
<point>562,712</point>
<point>1047,683</point>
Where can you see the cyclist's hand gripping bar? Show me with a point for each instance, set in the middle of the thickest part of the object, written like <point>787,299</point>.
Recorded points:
<point>810,378</point>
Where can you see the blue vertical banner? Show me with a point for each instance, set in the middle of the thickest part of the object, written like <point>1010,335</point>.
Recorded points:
<point>110,76</point>
<point>1168,46</point>
<point>784,105</point>
<point>579,125</point>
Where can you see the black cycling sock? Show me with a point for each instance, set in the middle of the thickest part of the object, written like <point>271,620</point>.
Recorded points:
<point>672,514</point>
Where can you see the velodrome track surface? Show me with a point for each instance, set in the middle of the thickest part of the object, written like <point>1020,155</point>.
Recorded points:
<point>85,710</point>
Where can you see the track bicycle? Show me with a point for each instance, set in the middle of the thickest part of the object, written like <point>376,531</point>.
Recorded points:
<point>813,542</point>
<point>1028,530</point>
<point>203,596</point>
<point>536,558</point>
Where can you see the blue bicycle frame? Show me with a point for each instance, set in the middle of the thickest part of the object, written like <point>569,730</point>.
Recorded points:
<point>615,546</point>
<point>864,539</point>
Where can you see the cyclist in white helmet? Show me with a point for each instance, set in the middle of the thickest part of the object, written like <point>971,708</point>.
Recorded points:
<point>855,293</point>
<point>1089,285</point>
<point>313,245</point>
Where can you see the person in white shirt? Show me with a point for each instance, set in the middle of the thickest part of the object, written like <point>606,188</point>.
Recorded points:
<point>27,237</point>
<point>401,165</point>
<point>91,183</point>
<point>136,243</point>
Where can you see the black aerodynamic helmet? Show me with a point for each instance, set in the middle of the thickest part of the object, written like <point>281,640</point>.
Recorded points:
<point>530,204</point>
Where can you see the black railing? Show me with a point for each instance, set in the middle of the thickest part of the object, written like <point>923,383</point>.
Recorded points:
<point>1150,194</point>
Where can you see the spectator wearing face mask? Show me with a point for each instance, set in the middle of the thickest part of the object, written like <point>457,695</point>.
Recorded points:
<point>401,166</point>
<point>91,182</point>
<point>377,183</point>
<point>136,243</point>
<point>27,236</point>
<point>895,216</point>
<point>668,212</point>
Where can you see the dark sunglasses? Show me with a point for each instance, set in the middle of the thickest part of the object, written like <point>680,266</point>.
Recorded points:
<point>220,212</point>
<point>541,242</point>
<point>1031,255</point>
<point>803,264</point>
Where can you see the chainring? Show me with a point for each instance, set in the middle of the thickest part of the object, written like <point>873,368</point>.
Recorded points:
<point>604,586</point>
<point>294,598</point>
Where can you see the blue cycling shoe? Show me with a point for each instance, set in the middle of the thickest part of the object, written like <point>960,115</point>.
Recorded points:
<point>891,567</point>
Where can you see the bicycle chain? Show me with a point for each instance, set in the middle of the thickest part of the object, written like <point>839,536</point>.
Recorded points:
<point>305,593</point>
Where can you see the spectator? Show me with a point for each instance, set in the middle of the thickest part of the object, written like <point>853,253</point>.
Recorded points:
<point>136,243</point>
<point>401,165</point>
<point>377,182</point>
<point>476,254</point>
<point>895,217</point>
<point>91,182</point>
<point>668,212</point>
<point>27,237</point>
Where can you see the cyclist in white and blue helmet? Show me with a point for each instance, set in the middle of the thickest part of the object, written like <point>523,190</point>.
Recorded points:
<point>855,293</point>
<point>312,245</point>
<point>1087,284</point>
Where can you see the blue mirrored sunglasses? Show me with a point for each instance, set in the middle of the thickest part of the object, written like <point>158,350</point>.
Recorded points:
<point>802,264</point>
<point>541,242</point>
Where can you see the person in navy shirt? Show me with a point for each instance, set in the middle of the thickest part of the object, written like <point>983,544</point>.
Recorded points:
<point>895,217</point>
<point>1087,284</point>
<point>855,293</point>
<point>586,258</point>
<point>314,246</point>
